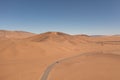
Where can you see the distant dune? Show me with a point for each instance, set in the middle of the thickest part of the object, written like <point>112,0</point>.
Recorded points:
<point>58,36</point>
<point>15,34</point>
<point>25,56</point>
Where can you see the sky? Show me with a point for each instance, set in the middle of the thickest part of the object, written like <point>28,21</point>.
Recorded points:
<point>94,17</point>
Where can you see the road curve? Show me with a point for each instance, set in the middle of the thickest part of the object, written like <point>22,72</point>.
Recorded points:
<point>47,71</point>
<point>49,68</point>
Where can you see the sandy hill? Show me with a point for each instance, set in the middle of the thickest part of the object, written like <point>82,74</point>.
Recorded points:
<point>56,36</point>
<point>15,34</point>
<point>26,59</point>
<point>59,37</point>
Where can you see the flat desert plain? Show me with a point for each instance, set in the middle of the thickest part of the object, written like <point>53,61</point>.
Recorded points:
<point>26,56</point>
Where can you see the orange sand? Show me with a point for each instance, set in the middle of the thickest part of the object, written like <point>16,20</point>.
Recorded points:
<point>26,57</point>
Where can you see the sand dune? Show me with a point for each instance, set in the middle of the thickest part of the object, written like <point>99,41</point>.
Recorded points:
<point>26,57</point>
<point>15,34</point>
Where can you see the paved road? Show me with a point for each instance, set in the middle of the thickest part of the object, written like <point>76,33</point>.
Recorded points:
<point>47,71</point>
<point>49,68</point>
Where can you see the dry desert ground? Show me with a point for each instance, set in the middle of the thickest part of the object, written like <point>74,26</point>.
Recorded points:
<point>25,56</point>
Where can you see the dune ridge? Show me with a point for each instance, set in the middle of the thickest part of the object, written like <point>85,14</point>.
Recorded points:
<point>15,34</point>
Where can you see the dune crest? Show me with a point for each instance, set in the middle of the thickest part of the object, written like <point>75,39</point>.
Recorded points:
<point>15,34</point>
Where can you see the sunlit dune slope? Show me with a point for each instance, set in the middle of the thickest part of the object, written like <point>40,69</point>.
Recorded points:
<point>88,67</point>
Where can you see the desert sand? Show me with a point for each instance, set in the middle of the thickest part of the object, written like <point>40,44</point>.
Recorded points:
<point>90,66</point>
<point>26,56</point>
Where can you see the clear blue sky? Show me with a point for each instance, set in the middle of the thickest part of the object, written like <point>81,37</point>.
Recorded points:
<point>70,16</point>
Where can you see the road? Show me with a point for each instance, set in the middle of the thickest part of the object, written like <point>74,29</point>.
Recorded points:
<point>47,71</point>
<point>50,67</point>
